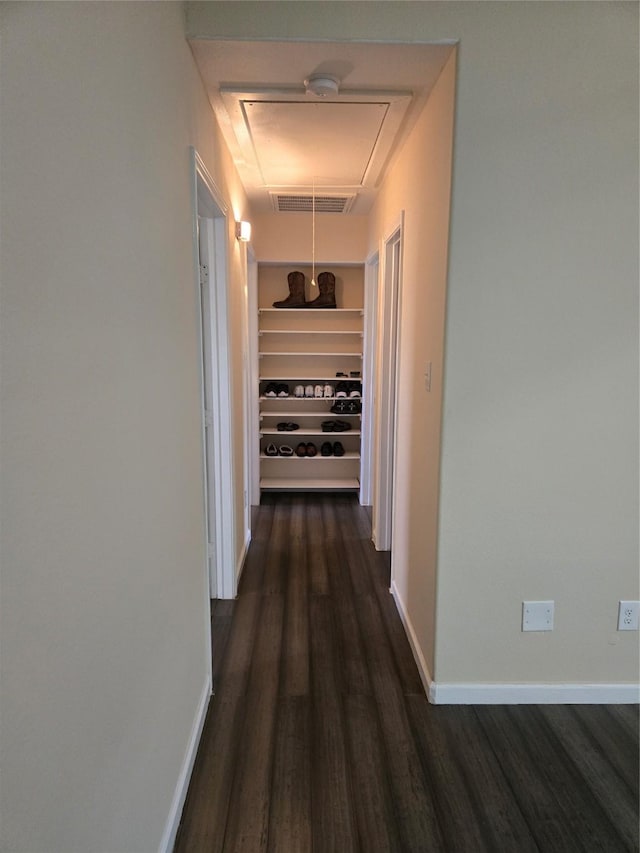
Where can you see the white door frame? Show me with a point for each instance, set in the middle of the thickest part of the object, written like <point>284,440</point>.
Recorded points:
<point>219,503</point>
<point>253,374</point>
<point>367,466</point>
<point>247,403</point>
<point>388,362</point>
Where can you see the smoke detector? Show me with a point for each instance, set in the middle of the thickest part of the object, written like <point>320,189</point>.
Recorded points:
<point>321,85</point>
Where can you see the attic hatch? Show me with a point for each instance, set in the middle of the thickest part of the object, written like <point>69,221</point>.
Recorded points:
<point>304,203</point>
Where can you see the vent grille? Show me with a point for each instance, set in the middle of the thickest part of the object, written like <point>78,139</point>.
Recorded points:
<point>286,203</point>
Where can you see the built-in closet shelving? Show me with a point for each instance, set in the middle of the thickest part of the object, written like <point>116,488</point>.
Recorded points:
<point>309,346</point>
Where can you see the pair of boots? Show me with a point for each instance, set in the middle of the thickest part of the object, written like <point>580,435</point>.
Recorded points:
<point>325,299</point>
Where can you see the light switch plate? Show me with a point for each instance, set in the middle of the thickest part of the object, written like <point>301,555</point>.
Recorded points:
<point>537,615</point>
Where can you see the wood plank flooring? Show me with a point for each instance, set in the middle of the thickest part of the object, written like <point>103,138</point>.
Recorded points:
<point>319,736</point>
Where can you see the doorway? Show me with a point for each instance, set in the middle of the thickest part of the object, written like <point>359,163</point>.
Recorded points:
<point>386,384</point>
<point>211,228</point>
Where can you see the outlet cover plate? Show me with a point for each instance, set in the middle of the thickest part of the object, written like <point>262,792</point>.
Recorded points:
<point>537,615</point>
<point>628,613</point>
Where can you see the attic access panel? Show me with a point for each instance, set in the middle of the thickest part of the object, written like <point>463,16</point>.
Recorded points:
<point>286,139</point>
<point>287,136</point>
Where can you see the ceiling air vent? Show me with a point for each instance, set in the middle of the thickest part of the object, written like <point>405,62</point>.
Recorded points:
<point>287,203</point>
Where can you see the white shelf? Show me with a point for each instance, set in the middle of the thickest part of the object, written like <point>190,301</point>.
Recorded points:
<point>311,311</point>
<point>349,454</point>
<point>283,484</point>
<point>305,431</point>
<point>322,354</point>
<point>326,415</point>
<point>310,332</point>
<point>306,380</point>
<point>326,337</point>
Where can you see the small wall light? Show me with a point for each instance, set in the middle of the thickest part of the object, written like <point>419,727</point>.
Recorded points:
<point>243,231</point>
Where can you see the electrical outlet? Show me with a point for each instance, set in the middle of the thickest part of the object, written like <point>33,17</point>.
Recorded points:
<point>628,612</point>
<point>537,615</point>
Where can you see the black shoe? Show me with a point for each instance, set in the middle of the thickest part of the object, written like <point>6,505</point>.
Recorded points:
<point>271,450</point>
<point>326,449</point>
<point>338,449</point>
<point>328,426</point>
<point>282,390</point>
<point>271,390</point>
<point>287,426</point>
<point>341,426</point>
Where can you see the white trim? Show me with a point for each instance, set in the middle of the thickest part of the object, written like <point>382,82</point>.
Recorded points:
<point>248,400</point>
<point>214,212</point>
<point>206,590</point>
<point>168,839</point>
<point>535,694</point>
<point>254,382</point>
<point>200,169</point>
<point>223,481</point>
<point>511,693</point>
<point>423,669</point>
<point>367,466</point>
<point>243,557</point>
<point>388,364</point>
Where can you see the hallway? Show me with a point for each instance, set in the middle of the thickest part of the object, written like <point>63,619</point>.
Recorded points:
<point>320,736</point>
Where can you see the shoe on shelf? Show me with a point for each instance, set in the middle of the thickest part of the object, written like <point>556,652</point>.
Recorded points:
<point>341,426</point>
<point>328,426</point>
<point>312,450</point>
<point>298,391</point>
<point>338,449</point>
<point>342,389</point>
<point>285,450</point>
<point>301,449</point>
<point>326,449</point>
<point>271,450</point>
<point>328,390</point>
<point>271,390</point>
<point>355,389</point>
<point>340,373</point>
<point>354,374</point>
<point>309,391</point>
<point>287,426</point>
<point>283,390</point>
<point>318,391</point>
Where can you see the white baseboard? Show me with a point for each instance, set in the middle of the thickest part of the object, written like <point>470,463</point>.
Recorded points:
<point>243,557</point>
<point>423,669</point>
<point>510,693</point>
<point>168,840</point>
<point>536,694</point>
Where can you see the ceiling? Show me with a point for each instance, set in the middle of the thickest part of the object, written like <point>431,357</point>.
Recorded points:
<point>289,146</point>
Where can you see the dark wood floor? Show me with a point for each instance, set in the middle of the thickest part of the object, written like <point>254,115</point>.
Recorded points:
<point>319,737</point>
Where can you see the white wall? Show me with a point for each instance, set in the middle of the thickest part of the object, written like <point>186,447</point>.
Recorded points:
<point>540,433</point>
<point>539,465</point>
<point>105,657</point>
<point>419,185</point>
<point>286,237</point>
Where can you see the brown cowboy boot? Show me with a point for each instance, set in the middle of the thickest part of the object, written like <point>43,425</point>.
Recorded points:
<point>295,299</point>
<point>327,295</point>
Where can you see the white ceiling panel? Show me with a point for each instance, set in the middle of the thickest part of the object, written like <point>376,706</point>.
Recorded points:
<point>287,137</point>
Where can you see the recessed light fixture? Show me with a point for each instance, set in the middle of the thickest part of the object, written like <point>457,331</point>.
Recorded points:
<point>321,85</point>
